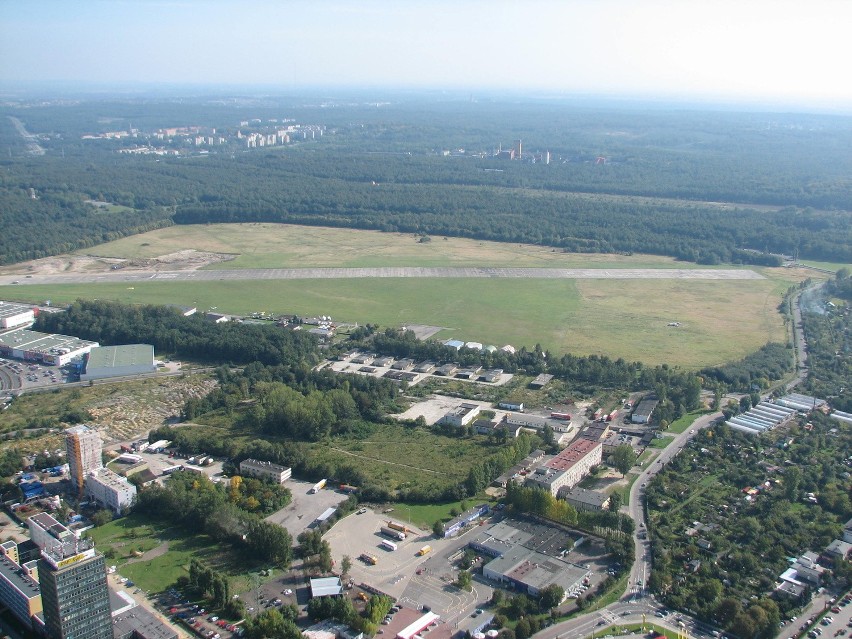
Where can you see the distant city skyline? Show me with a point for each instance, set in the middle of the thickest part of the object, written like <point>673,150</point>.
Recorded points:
<point>787,51</point>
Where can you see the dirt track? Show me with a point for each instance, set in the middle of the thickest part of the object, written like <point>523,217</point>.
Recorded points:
<point>382,272</point>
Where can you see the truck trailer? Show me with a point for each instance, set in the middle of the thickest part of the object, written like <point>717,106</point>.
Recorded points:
<point>393,534</point>
<point>318,486</point>
<point>400,527</point>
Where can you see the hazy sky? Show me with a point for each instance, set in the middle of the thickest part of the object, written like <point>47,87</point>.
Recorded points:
<point>766,49</point>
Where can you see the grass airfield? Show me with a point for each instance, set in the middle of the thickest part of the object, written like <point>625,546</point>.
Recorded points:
<point>719,320</point>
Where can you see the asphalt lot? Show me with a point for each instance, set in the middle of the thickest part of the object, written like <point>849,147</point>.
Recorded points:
<point>303,510</point>
<point>395,572</point>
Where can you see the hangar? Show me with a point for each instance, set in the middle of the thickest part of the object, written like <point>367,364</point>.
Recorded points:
<point>119,361</point>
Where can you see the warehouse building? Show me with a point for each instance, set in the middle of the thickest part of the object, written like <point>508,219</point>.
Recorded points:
<point>32,346</point>
<point>119,361</point>
<point>14,315</point>
<point>642,414</point>
<point>265,470</point>
<point>526,555</point>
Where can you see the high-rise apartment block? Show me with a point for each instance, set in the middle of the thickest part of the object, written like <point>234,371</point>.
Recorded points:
<point>83,446</point>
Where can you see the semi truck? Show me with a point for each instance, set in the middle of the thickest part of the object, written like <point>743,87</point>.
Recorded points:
<point>425,550</point>
<point>400,527</point>
<point>348,489</point>
<point>318,486</point>
<point>369,559</point>
<point>394,534</point>
<point>389,545</point>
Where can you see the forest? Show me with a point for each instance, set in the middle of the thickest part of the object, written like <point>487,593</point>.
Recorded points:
<point>622,179</point>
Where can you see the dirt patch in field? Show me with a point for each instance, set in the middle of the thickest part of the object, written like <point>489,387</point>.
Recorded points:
<point>186,260</point>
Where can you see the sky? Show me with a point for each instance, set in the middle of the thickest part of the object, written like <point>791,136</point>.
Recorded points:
<point>758,50</point>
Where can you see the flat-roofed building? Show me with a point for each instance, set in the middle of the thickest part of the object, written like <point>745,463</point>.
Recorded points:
<point>119,361</point>
<point>535,422</point>
<point>32,346</point>
<point>530,572</point>
<point>642,414</point>
<point>583,498</point>
<point>138,623</point>
<point>568,467</point>
<point>47,532</point>
<point>14,315</point>
<point>326,587</point>
<point>110,490</point>
<point>462,415</point>
<point>10,549</point>
<point>541,381</point>
<point>265,470</point>
<point>19,592</point>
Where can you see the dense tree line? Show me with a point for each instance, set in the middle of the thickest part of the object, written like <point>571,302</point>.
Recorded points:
<point>59,223</point>
<point>768,364</point>
<point>576,203</point>
<point>190,337</point>
<point>194,502</point>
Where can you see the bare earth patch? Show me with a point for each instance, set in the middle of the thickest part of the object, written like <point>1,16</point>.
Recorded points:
<point>186,260</point>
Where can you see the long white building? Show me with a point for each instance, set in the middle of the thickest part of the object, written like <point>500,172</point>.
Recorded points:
<point>14,315</point>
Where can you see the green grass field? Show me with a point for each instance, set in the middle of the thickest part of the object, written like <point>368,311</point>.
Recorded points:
<point>720,320</point>
<point>291,246</point>
<point>402,457</point>
<point>175,547</point>
<point>681,424</point>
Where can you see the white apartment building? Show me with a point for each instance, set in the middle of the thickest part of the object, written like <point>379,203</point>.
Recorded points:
<point>110,490</point>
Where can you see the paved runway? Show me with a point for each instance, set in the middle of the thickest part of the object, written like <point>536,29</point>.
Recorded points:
<point>381,272</point>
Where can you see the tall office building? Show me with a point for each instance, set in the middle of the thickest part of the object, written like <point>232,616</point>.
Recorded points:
<point>83,446</point>
<point>74,592</point>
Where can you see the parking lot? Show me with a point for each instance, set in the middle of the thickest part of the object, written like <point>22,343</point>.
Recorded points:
<point>414,580</point>
<point>159,461</point>
<point>305,507</point>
